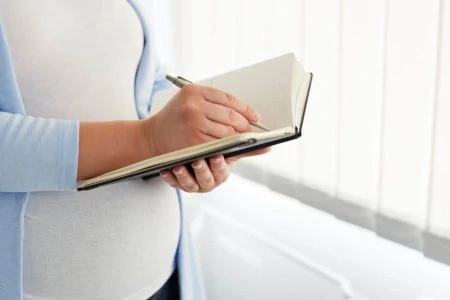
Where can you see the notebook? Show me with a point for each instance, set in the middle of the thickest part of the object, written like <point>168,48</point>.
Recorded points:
<point>277,88</point>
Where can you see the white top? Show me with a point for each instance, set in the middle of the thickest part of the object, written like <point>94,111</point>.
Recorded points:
<point>77,59</point>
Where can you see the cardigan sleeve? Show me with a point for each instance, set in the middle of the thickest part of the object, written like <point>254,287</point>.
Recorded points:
<point>37,154</point>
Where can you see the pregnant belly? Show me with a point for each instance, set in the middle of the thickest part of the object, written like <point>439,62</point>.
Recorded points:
<point>108,243</point>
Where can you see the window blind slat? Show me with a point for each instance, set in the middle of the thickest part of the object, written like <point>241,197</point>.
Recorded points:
<point>361,100</point>
<point>439,222</point>
<point>182,12</point>
<point>285,27</point>
<point>202,34</point>
<point>321,122</point>
<point>225,31</point>
<point>411,52</point>
<point>253,23</point>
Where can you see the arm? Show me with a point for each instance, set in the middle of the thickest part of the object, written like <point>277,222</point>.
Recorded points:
<point>43,154</point>
<point>46,155</point>
<point>106,146</point>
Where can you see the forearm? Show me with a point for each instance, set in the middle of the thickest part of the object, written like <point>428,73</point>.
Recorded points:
<point>106,146</point>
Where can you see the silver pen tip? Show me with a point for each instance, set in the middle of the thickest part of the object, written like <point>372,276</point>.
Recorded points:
<point>171,78</point>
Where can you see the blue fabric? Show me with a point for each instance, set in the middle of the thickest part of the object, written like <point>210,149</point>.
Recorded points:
<point>150,77</point>
<point>39,154</point>
<point>191,281</point>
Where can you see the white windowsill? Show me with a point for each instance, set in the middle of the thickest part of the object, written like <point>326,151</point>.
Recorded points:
<point>375,267</point>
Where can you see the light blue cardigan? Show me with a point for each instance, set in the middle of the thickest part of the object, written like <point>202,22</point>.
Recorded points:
<point>39,154</point>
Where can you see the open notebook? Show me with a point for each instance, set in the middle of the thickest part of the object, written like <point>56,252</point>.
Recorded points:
<point>277,88</point>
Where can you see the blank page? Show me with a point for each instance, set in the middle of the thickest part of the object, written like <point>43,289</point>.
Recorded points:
<point>266,86</point>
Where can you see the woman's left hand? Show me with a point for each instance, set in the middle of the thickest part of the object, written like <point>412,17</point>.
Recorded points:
<point>206,177</point>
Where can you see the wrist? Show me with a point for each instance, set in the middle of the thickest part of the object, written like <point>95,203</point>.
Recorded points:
<point>148,136</point>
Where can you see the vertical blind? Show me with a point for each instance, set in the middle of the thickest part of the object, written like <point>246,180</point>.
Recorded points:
<point>377,131</point>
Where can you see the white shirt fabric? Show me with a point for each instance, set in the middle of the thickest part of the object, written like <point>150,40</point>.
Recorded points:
<point>77,59</point>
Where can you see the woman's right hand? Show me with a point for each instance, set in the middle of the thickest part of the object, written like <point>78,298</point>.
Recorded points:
<point>197,114</point>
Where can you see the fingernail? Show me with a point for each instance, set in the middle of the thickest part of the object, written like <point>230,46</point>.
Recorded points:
<point>197,165</point>
<point>217,160</point>
<point>178,171</point>
<point>164,174</point>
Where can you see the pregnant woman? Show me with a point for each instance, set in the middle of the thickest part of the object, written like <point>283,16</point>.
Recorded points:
<point>76,83</point>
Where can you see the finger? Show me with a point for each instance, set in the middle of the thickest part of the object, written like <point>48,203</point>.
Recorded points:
<point>169,178</point>
<point>219,169</point>
<point>219,97</point>
<point>227,116</point>
<point>217,130</point>
<point>204,176</point>
<point>185,179</point>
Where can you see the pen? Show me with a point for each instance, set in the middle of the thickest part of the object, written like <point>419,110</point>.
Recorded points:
<point>181,82</point>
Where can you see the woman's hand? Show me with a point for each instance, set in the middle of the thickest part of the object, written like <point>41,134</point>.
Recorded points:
<point>206,177</point>
<point>197,114</point>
